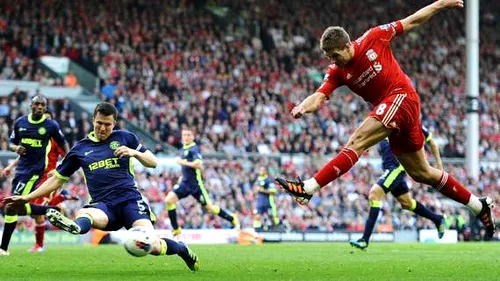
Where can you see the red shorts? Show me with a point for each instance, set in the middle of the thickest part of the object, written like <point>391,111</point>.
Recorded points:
<point>44,200</point>
<point>401,112</point>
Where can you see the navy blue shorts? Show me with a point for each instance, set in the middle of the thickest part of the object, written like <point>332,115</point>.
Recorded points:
<point>394,181</point>
<point>24,184</point>
<point>263,207</point>
<point>123,214</point>
<point>198,191</point>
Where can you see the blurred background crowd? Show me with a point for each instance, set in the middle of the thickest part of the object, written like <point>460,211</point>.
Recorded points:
<point>228,69</point>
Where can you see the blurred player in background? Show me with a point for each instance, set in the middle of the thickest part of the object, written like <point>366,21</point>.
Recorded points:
<point>53,199</point>
<point>106,159</point>
<point>394,180</point>
<point>191,183</point>
<point>368,67</point>
<point>31,139</point>
<point>265,190</point>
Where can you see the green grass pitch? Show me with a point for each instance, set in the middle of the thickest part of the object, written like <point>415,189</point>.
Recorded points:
<point>292,261</point>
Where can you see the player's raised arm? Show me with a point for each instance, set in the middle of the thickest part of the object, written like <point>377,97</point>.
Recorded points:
<point>310,104</point>
<point>427,12</point>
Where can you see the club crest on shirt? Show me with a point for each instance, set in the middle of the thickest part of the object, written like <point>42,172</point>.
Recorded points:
<point>371,55</point>
<point>42,131</point>
<point>114,145</point>
<point>385,26</point>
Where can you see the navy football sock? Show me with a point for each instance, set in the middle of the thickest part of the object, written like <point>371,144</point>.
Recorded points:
<point>172,215</point>
<point>84,223</point>
<point>8,229</point>
<point>225,215</point>
<point>370,223</point>
<point>423,211</point>
<point>39,209</point>
<point>174,248</point>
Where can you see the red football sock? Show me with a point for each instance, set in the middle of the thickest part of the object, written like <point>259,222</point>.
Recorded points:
<point>39,234</point>
<point>56,200</point>
<point>452,189</point>
<point>338,166</point>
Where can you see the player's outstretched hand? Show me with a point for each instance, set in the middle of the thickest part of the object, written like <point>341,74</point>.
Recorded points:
<point>124,151</point>
<point>298,112</point>
<point>5,172</point>
<point>452,3</point>
<point>15,200</point>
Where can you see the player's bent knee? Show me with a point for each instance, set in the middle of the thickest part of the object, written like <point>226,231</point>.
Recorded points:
<point>171,198</point>
<point>376,193</point>
<point>210,208</point>
<point>375,197</point>
<point>98,217</point>
<point>405,204</point>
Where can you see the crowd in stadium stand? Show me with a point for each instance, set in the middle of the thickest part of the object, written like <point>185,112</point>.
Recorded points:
<point>342,205</point>
<point>230,74</point>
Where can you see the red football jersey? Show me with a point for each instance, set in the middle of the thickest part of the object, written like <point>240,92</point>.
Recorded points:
<point>52,158</point>
<point>373,73</point>
<point>53,155</point>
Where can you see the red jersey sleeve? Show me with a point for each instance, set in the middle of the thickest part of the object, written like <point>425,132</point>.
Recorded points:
<point>330,82</point>
<point>387,31</point>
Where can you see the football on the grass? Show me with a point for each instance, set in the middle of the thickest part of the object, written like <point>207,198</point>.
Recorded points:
<point>139,241</point>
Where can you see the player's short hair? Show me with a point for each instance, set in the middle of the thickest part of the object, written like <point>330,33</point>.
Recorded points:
<point>334,37</point>
<point>106,108</point>
<point>189,129</point>
<point>39,97</point>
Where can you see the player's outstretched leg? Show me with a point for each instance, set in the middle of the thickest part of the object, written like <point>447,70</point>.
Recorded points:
<point>170,247</point>
<point>295,188</point>
<point>59,220</point>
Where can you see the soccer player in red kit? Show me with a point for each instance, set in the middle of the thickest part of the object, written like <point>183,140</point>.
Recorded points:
<point>368,67</point>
